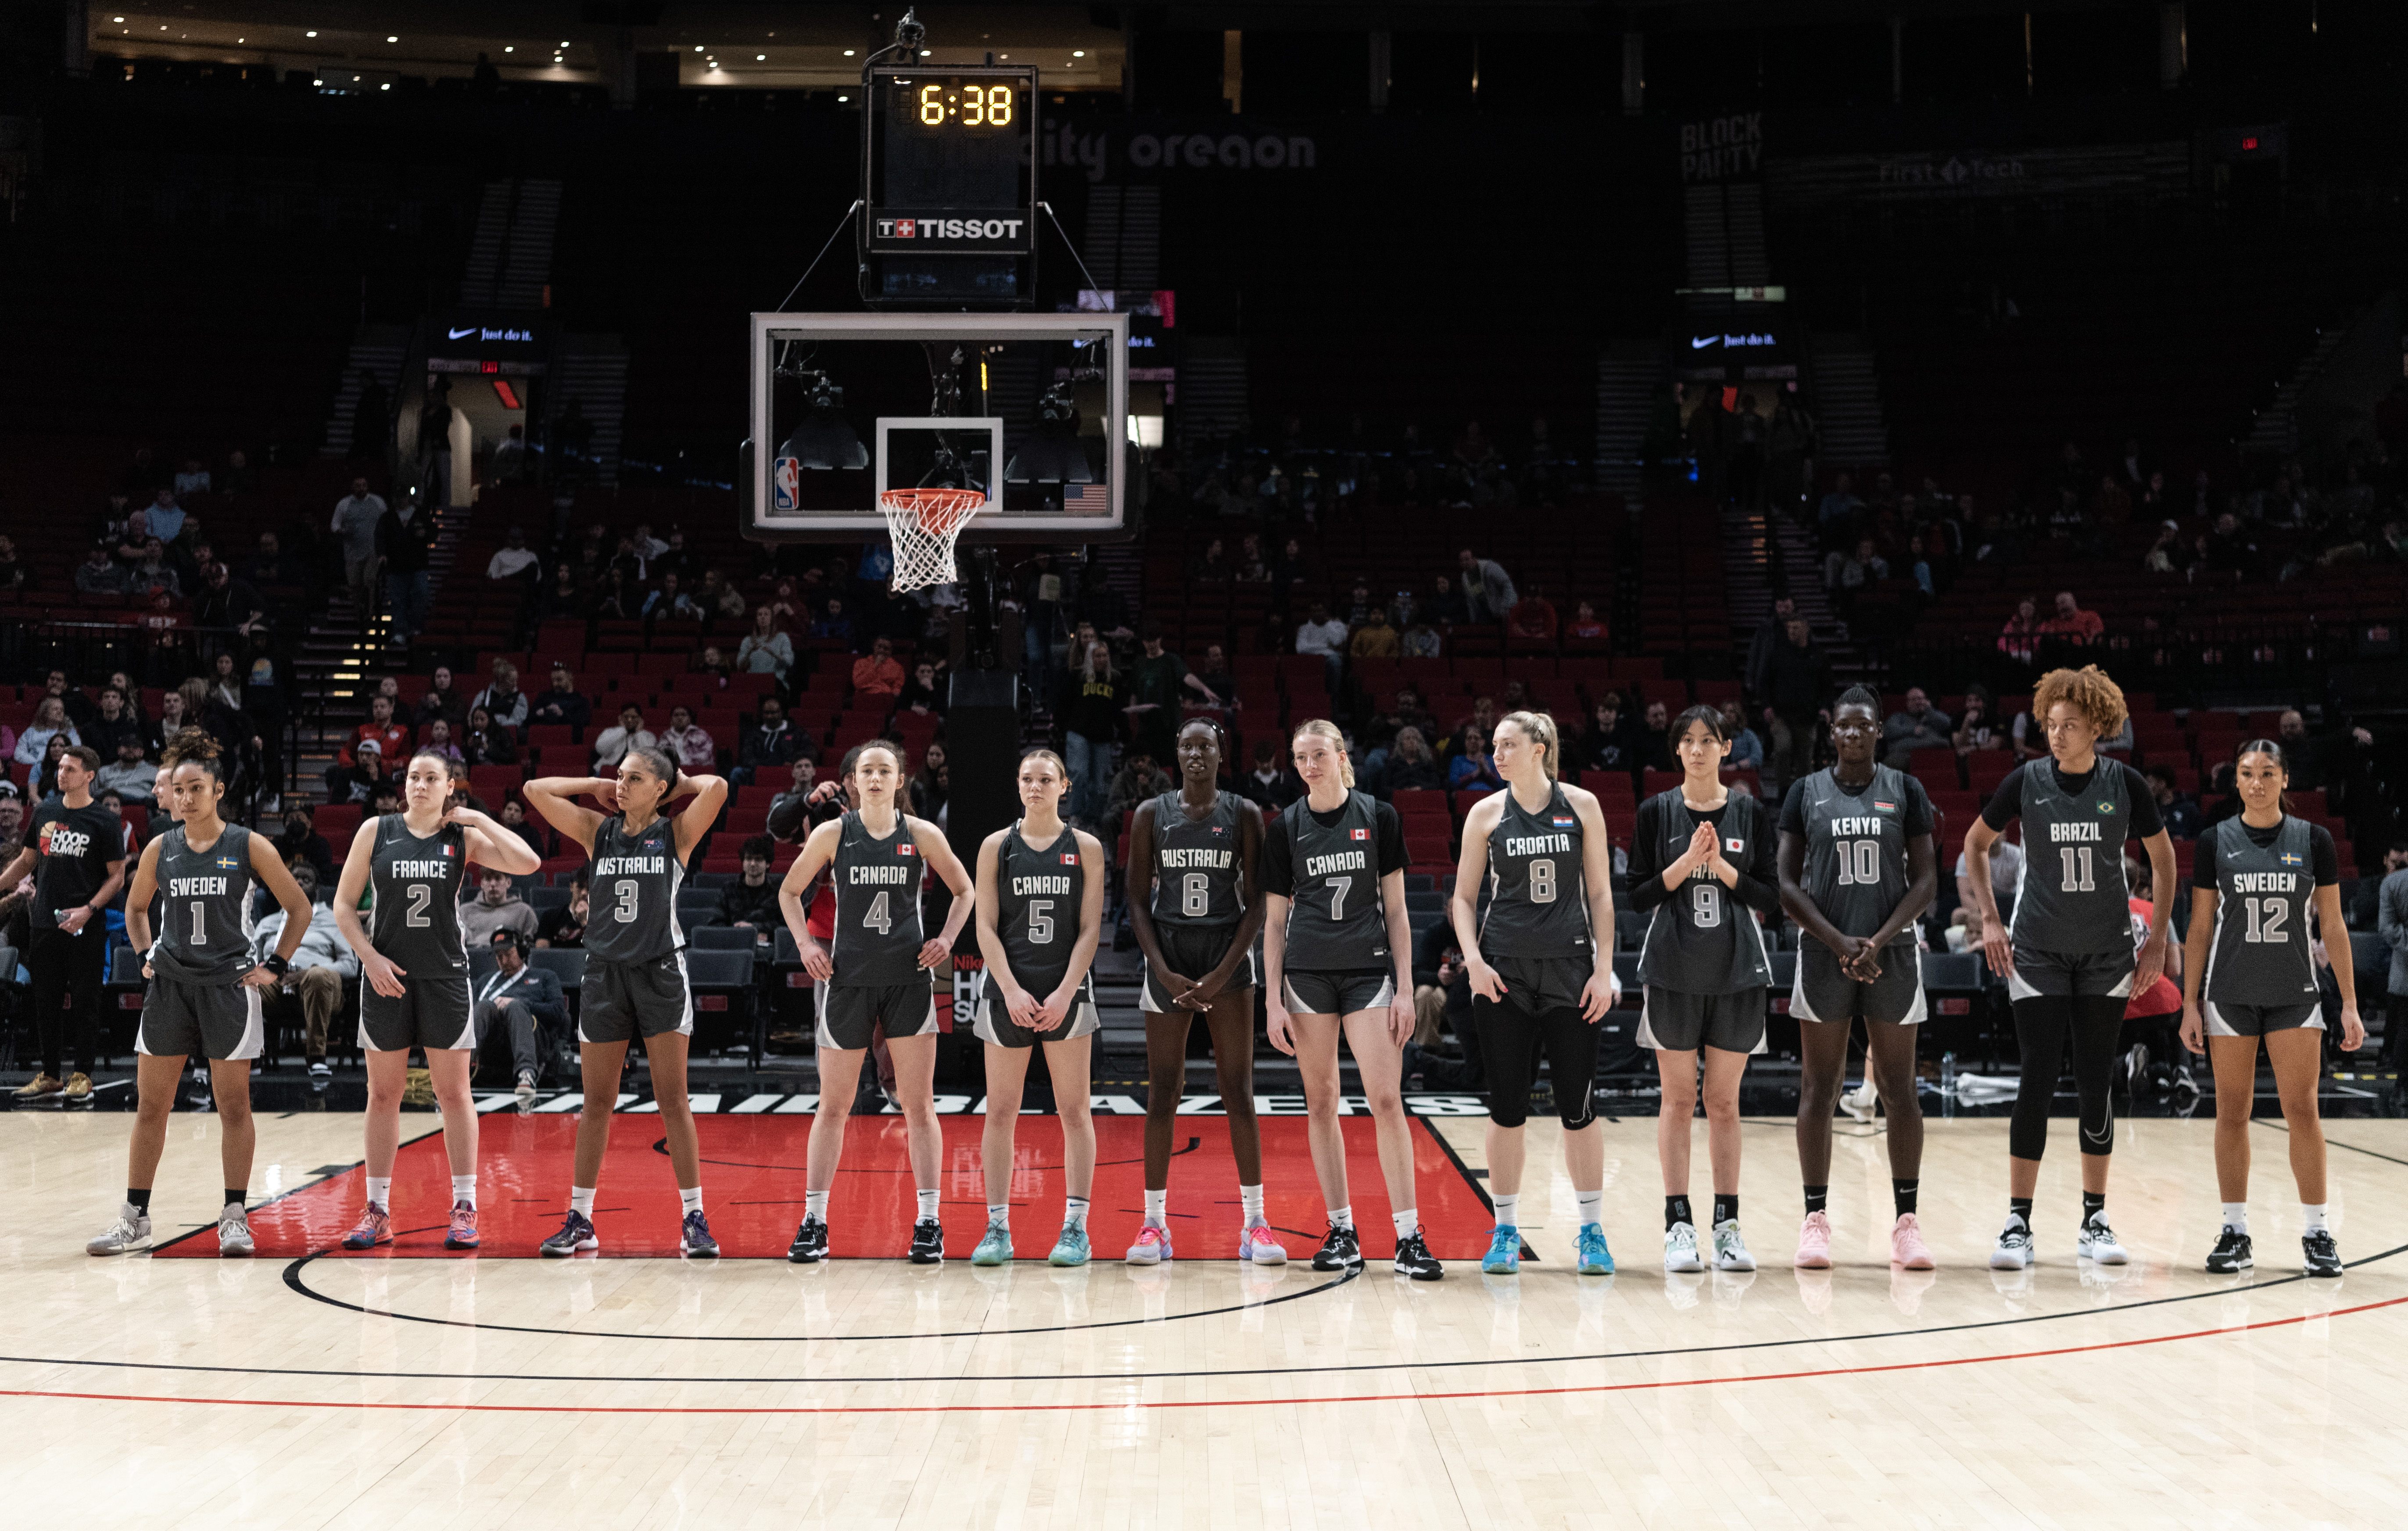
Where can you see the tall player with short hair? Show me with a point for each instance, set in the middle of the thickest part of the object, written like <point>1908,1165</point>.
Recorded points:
<point>2249,976</point>
<point>2068,960</point>
<point>1541,971</point>
<point>1857,869</point>
<point>204,989</point>
<point>635,970</point>
<point>414,977</point>
<point>1196,905</point>
<point>1041,915</point>
<point>1337,953</point>
<point>876,971</point>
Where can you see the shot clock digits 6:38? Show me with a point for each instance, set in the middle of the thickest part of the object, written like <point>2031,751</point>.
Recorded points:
<point>965,106</point>
<point>949,169</point>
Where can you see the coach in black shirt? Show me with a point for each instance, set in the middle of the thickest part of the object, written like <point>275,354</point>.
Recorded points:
<point>76,849</point>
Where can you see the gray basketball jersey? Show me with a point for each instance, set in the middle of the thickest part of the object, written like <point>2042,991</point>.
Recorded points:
<point>2260,954</point>
<point>1700,940</point>
<point>1336,921</point>
<point>632,890</point>
<point>878,939</point>
<point>1039,896</point>
<point>2070,896</point>
<point>1196,864</point>
<point>417,887</point>
<point>1855,850</point>
<point>205,907</point>
<point>1538,896</point>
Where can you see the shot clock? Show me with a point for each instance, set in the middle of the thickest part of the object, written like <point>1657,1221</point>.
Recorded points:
<point>950,163</point>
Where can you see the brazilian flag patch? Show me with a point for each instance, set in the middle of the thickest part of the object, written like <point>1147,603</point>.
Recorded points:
<point>2106,807</point>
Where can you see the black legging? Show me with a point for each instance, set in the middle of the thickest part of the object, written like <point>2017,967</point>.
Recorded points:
<point>67,971</point>
<point>2093,1024</point>
<point>1511,1038</point>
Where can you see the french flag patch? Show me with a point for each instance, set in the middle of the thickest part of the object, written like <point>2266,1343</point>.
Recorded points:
<point>447,853</point>
<point>1358,834</point>
<point>1070,858</point>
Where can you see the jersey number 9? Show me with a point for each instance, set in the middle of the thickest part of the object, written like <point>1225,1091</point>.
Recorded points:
<point>1706,906</point>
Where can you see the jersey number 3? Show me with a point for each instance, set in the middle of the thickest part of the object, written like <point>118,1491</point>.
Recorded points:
<point>625,911</point>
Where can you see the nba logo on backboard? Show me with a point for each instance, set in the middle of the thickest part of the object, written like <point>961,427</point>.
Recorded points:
<point>785,484</point>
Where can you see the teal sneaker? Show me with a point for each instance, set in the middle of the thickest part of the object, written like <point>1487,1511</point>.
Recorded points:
<point>1504,1256</point>
<point>1070,1249</point>
<point>996,1248</point>
<point>1594,1258</point>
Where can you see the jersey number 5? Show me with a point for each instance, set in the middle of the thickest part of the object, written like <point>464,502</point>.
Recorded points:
<point>1040,920</point>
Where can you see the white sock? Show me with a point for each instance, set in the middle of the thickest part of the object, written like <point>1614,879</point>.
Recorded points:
<point>2312,1219</point>
<point>580,1200</point>
<point>815,1205</point>
<point>1592,1205</point>
<point>1408,1222</point>
<point>2236,1216</point>
<point>380,1192</point>
<point>927,1205</point>
<point>1507,1210</point>
<point>463,1188</point>
<point>1250,1198</point>
<point>1341,1217</point>
<point>690,1197</point>
<point>1074,1212</point>
<point>998,1216</point>
<point>1157,1207</point>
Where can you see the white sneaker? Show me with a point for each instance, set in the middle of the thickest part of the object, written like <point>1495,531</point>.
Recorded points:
<point>234,1234</point>
<point>130,1234</point>
<point>2097,1242</point>
<point>1862,1102</point>
<point>1730,1249</point>
<point>2014,1251</point>
<point>1681,1248</point>
<point>526,1086</point>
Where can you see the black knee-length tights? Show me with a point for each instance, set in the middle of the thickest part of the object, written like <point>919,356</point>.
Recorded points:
<point>2043,1026</point>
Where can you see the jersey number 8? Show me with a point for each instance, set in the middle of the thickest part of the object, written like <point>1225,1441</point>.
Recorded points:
<point>1542,881</point>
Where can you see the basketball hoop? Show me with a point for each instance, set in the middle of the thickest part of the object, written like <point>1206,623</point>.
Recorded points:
<point>923,524</point>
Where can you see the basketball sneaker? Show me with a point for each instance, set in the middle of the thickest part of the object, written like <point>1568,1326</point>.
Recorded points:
<point>1813,1242</point>
<point>1681,1248</point>
<point>2013,1250</point>
<point>694,1236</point>
<point>810,1244</point>
<point>1340,1251</point>
<point>1593,1257</point>
<point>79,1086</point>
<point>525,1091</point>
<point>2322,1256</point>
<point>461,1234</point>
<point>2097,1242</point>
<point>994,1249</point>
<point>40,1086</point>
<point>233,1233</point>
<point>1730,1249</point>
<point>2231,1254</point>
<point>1262,1247</point>
<point>1415,1259</point>
<point>1504,1256</point>
<point>1153,1246</point>
<point>1071,1248</point>
<point>1907,1250</point>
<point>375,1227</point>
<point>575,1237</point>
<point>128,1235</point>
<point>927,1242</point>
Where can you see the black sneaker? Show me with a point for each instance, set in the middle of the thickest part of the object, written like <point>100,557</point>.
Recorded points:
<point>695,1236</point>
<point>927,1242</point>
<point>575,1237</point>
<point>2323,1258</point>
<point>1340,1250</point>
<point>810,1242</point>
<point>1415,1259</point>
<point>2231,1253</point>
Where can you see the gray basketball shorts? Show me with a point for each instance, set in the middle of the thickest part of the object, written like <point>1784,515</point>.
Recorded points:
<point>1672,1022</point>
<point>431,1012</point>
<point>848,1013</point>
<point>2257,1020</point>
<point>2060,974</point>
<point>223,1021</point>
<point>1191,951</point>
<point>994,1023</point>
<point>623,1000</point>
<point>1336,993</point>
<point>1821,991</point>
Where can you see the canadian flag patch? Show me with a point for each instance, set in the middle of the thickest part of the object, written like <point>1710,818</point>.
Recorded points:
<point>1070,858</point>
<point>1358,834</point>
<point>906,848</point>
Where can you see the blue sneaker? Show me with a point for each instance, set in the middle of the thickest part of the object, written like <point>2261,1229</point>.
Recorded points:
<point>1071,1248</point>
<point>996,1248</point>
<point>1504,1256</point>
<point>695,1238</point>
<point>1594,1258</point>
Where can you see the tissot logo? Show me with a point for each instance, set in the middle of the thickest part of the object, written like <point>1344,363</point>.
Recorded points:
<point>950,228</point>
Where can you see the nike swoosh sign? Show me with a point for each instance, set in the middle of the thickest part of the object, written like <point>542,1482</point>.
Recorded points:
<point>457,333</point>
<point>1700,345</point>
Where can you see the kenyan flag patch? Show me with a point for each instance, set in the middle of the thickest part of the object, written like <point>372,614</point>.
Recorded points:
<point>1880,806</point>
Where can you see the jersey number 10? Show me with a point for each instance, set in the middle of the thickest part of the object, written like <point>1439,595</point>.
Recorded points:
<point>1859,863</point>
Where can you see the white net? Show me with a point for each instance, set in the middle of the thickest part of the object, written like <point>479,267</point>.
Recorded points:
<point>923,525</point>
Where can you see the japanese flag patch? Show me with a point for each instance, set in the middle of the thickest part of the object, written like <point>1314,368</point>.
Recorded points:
<point>1734,844</point>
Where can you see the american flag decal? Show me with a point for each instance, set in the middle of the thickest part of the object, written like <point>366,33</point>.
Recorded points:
<point>1096,498</point>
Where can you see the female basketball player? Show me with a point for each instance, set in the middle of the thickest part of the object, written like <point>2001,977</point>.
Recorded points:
<point>414,976</point>
<point>875,970</point>
<point>1541,971</point>
<point>1857,868</point>
<point>1339,957</point>
<point>2248,976</point>
<point>1701,869</point>
<point>1198,851</point>
<point>204,993</point>
<point>635,969</point>
<point>1040,913</point>
<point>2069,962</point>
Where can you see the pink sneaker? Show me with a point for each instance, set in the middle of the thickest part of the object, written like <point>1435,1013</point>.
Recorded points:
<point>461,1234</point>
<point>1906,1246</point>
<point>1153,1247</point>
<point>1260,1245</point>
<point>1814,1243</point>
<point>375,1227</point>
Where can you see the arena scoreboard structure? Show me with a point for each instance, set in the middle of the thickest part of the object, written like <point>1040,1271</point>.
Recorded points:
<point>949,187</point>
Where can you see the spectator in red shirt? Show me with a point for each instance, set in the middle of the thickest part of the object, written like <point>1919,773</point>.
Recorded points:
<point>392,739</point>
<point>1586,627</point>
<point>2072,622</point>
<point>1532,618</point>
<point>876,673</point>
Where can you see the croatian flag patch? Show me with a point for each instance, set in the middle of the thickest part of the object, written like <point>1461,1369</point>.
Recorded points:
<point>1358,834</point>
<point>1565,824</point>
